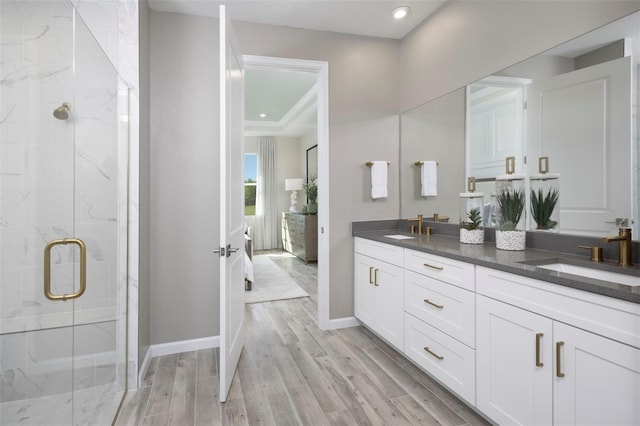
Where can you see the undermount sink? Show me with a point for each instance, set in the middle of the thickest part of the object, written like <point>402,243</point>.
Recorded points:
<point>597,274</point>
<point>399,237</point>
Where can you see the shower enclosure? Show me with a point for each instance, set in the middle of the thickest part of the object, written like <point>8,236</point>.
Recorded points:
<point>63,219</point>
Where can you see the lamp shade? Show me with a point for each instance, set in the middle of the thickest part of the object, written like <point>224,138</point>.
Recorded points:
<point>293,184</point>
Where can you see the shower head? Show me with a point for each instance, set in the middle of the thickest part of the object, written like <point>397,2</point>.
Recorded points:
<point>62,112</point>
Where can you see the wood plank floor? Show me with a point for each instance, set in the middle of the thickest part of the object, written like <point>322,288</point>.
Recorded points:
<point>291,373</point>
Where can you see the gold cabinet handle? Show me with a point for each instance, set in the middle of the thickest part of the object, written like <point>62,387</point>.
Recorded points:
<point>435,355</point>
<point>433,304</point>
<point>437,268</point>
<point>539,363</point>
<point>559,346</point>
<point>370,277</point>
<point>510,165</point>
<point>47,269</point>
<point>375,277</point>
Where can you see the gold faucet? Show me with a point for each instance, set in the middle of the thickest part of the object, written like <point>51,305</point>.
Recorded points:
<point>416,219</point>
<point>624,237</point>
<point>438,218</point>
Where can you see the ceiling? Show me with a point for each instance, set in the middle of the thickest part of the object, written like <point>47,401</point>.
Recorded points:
<point>265,92</point>
<point>361,17</point>
<point>287,97</point>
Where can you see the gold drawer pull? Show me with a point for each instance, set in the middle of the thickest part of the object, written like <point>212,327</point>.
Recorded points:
<point>437,268</point>
<point>559,346</point>
<point>433,304</point>
<point>370,277</point>
<point>440,357</point>
<point>375,277</point>
<point>539,363</point>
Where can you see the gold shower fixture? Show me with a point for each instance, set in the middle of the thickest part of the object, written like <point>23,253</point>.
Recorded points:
<point>62,112</point>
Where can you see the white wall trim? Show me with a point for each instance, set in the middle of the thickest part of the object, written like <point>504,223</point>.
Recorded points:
<point>321,68</point>
<point>345,322</point>
<point>177,347</point>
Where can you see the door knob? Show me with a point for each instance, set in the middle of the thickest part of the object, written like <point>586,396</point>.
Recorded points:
<point>231,250</point>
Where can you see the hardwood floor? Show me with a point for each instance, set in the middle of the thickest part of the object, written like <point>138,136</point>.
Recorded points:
<point>291,373</point>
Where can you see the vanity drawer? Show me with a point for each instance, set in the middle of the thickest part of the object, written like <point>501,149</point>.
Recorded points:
<point>449,361</point>
<point>443,306</point>
<point>381,251</point>
<point>441,268</point>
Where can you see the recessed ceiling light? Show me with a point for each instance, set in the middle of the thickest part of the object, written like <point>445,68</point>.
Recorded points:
<point>263,115</point>
<point>400,12</point>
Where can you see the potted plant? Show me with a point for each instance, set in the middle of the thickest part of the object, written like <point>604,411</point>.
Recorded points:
<point>542,207</point>
<point>510,207</point>
<point>471,231</point>
<point>311,188</point>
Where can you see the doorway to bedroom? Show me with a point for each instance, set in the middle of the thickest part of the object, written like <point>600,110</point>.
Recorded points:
<point>281,171</point>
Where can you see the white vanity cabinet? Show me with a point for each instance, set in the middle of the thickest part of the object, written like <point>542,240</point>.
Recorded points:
<point>601,380</point>
<point>514,364</point>
<point>439,320</point>
<point>538,368</point>
<point>521,350</point>
<point>379,289</point>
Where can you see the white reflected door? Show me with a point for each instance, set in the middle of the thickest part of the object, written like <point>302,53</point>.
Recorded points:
<point>231,206</point>
<point>582,121</point>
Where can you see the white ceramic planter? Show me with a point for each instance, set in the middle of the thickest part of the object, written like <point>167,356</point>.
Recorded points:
<point>511,240</point>
<point>475,236</point>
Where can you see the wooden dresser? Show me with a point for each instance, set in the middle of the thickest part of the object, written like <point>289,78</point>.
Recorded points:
<point>300,235</point>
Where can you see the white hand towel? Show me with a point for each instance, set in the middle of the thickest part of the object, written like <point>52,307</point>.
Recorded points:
<point>429,179</point>
<point>379,179</point>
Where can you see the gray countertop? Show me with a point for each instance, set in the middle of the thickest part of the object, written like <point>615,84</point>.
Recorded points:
<point>509,261</point>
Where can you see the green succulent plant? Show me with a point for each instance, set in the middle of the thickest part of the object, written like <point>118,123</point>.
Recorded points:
<point>473,221</point>
<point>542,206</point>
<point>511,204</point>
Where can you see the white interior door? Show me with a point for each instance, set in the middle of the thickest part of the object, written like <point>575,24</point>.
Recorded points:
<point>231,206</point>
<point>582,121</point>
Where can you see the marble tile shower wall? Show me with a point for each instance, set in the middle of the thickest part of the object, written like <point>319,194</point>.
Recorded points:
<point>57,179</point>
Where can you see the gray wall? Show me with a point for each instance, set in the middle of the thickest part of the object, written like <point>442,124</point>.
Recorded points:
<point>184,177</point>
<point>144,279</point>
<point>366,76</point>
<point>468,40</point>
<point>434,131</point>
<point>363,125</point>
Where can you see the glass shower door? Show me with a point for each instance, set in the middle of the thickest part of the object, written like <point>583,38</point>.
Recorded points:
<point>62,220</point>
<point>100,201</point>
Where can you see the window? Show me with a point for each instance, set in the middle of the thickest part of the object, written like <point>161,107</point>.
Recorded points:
<point>250,183</point>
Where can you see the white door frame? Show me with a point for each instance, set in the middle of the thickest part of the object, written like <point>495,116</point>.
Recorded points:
<point>321,68</point>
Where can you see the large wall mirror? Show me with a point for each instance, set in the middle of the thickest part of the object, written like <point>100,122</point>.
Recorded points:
<point>576,104</point>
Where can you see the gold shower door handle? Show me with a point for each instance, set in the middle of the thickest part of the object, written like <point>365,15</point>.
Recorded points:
<point>47,269</point>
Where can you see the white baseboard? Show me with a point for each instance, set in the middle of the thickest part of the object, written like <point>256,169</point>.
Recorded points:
<point>176,348</point>
<point>345,322</point>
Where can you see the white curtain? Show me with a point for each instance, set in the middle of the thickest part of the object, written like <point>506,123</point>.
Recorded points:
<point>266,219</point>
